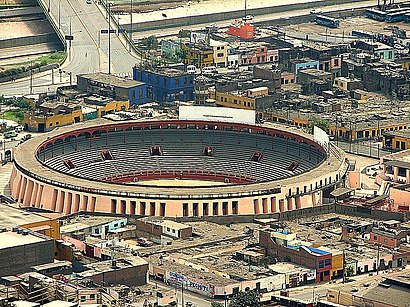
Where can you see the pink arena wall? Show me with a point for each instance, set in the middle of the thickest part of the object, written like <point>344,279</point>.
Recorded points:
<point>30,192</point>
<point>305,190</point>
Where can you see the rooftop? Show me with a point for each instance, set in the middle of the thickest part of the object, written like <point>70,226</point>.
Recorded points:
<point>106,266</point>
<point>11,216</point>
<point>82,222</point>
<point>167,223</point>
<point>14,239</point>
<point>110,79</point>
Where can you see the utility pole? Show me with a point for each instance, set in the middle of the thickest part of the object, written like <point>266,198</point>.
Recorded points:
<point>109,37</point>
<point>245,8</point>
<point>378,258</point>
<point>131,27</point>
<point>69,45</point>
<point>182,295</point>
<point>344,266</point>
<point>59,14</point>
<point>31,77</point>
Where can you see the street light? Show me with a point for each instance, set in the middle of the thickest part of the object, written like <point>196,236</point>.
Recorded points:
<point>109,4</point>
<point>59,14</point>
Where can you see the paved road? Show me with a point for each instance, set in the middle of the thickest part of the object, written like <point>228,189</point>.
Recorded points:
<point>257,19</point>
<point>85,54</point>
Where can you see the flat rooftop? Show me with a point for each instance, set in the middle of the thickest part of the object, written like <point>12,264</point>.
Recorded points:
<point>82,222</point>
<point>113,80</point>
<point>13,239</point>
<point>167,223</point>
<point>11,217</point>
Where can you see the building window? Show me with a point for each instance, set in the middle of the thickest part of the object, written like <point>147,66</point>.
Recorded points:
<point>321,264</point>
<point>92,296</point>
<point>328,262</point>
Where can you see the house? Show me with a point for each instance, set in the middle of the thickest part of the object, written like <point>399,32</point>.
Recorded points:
<point>115,87</point>
<point>165,84</point>
<point>220,53</point>
<point>164,227</point>
<point>200,55</point>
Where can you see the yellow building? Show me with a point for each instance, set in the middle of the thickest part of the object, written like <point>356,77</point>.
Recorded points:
<point>40,122</point>
<point>220,53</point>
<point>49,226</point>
<point>57,114</point>
<point>233,100</point>
<point>198,55</point>
<point>398,140</point>
<point>366,129</point>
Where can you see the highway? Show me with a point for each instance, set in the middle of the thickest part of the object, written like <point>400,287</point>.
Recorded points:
<point>87,54</point>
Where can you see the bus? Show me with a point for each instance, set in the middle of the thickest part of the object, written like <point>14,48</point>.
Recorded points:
<point>363,34</point>
<point>375,14</point>
<point>327,21</point>
<point>396,16</point>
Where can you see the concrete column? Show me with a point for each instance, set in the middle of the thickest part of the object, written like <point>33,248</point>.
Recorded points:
<point>76,202</point>
<point>28,193</point>
<point>256,206</point>
<point>22,190</point>
<point>68,203</point>
<point>407,175</point>
<point>273,204</point>
<point>60,201</point>
<point>220,208</point>
<point>395,174</point>
<point>265,208</point>
<point>34,198</point>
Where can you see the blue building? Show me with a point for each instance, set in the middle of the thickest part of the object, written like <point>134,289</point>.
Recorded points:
<point>305,63</point>
<point>115,87</point>
<point>166,84</point>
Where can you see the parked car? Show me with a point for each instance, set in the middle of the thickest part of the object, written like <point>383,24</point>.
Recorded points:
<point>248,17</point>
<point>316,11</point>
<point>9,135</point>
<point>144,242</point>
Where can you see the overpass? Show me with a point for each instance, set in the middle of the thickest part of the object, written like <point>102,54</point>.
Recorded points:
<point>87,52</point>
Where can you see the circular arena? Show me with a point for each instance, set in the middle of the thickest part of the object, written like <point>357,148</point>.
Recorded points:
<point>174,168</point>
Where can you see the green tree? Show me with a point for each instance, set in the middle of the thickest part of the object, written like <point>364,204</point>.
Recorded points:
<point>181,54</point>
<point>184,33</point>
<point>217,304</point>
<point>245,299</point>
<point>151,42</point>
<point>317,121</point>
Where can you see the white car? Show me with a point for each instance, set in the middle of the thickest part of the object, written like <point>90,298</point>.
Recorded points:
<point>316,11</point>
<point>399,47</point>
<point>88,1</point>
<point>248,17</point>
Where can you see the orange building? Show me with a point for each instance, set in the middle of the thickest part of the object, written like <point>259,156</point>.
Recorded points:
<point>242,29</point>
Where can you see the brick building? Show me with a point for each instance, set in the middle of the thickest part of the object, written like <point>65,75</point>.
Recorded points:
<point>312,258</point>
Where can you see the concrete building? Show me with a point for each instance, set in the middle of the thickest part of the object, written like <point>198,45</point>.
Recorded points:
<point>397,140</point>
<point>115,87</point>
<point>130,272</point>
<point>21,249</point>
<point>220,50</point>
<point>312,258</point>
<point>242,29</point>
<point>199,55</point>
<point>166,84</point>
<point>164,228</point>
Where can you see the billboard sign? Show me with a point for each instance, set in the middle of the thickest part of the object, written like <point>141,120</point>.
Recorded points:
<point>199,38</point>
<point>321,137</point>
<point>217,114</point>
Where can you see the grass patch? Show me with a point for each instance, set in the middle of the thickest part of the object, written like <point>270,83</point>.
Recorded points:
<point>14,115</point>
<point>56,57</point>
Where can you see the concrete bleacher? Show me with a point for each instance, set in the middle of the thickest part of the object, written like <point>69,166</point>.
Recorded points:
<point>182,150</point>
